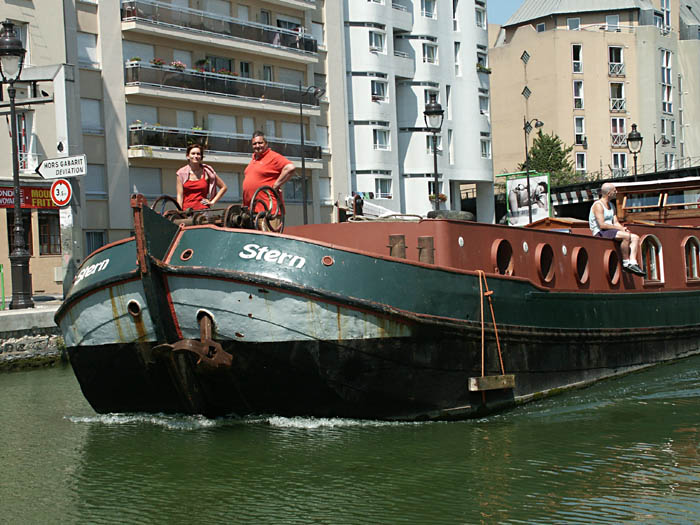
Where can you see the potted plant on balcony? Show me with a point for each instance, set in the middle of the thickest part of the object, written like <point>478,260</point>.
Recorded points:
<point>157,62</point>
<point>179,65</point>
<point>481,68</point>
<point>203,64</point>
<point>441,197</point>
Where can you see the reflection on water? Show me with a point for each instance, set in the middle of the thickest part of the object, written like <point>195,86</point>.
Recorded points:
<point>622,451</point>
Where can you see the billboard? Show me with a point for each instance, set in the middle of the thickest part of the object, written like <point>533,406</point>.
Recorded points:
<point>518,202</point>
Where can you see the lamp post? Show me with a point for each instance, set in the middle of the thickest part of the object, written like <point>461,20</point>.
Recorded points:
<point>634,145</point>
<point>433,116</point>
<point>527,128</point>
<point>11,61</point>
<point>316,93</point>
<point>664,142</point>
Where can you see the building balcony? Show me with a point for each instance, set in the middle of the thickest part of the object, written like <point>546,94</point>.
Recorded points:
<point>189,85</point>
<point>618,140</point>
<point>297,4</point>
<point>401,15</point>
<point>200,27</point>
<point>618,105</point>
<point>616,69</point>
<point>404,64</point>
<point>161,142</point>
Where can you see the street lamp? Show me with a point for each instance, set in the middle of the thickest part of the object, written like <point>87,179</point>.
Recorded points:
<point>634,145</point>
<point>433,116</point>
<point>316,93</point>
<point>664,142</point>
<point>527,128</point>
<point>11,61</point>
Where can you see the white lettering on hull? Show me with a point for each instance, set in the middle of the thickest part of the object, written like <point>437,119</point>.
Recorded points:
<point>265,254</point>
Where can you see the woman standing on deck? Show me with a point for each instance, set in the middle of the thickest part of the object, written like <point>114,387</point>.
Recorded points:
<point>198,186</point>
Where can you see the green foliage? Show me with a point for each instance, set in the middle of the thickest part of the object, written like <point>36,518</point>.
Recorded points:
<point>549,154</point>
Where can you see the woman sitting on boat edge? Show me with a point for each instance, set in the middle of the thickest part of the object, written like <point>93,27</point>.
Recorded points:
<point>198,185</point>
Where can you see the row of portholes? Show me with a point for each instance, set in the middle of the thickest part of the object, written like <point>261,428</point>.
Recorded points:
<point>502,257</point>
<point>651,252</point>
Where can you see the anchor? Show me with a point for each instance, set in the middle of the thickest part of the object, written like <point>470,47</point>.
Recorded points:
<point>209,352</point>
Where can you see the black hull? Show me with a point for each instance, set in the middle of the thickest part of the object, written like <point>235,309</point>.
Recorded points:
<point>416,378</point>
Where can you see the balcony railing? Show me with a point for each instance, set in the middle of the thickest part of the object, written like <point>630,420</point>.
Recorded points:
<point>28,161</point>
<point>214,142</point>
<point>616,69</point>
<point>620,172</point>
<point>166,77</point>
<point>617,104</point>
<point>618,140</point>
<point>224,26</point>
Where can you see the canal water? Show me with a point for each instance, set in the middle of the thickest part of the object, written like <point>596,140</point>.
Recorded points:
<point>625,450</point>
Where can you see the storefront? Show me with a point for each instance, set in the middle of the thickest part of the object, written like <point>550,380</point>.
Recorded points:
<point>42,239</point>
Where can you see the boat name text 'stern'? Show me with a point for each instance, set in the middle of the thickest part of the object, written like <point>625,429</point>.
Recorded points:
<point>93,268</point>
<point>263,253</point>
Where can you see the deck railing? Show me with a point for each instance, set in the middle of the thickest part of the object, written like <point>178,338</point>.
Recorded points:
<point>215,142</point>
<point>164,14</point>
<point>166,77</point>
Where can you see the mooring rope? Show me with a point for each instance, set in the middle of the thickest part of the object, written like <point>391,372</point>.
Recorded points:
<point>488,293</point>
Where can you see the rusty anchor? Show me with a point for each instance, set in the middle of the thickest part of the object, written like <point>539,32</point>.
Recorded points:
<point>209,352</point>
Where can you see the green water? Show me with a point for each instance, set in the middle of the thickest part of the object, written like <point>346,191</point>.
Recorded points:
<point>625,450</point>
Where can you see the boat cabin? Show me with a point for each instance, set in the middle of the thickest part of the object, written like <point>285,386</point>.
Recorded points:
<point>674,201</point>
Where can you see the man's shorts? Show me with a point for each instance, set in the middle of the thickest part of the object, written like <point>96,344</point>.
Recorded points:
<point>607,234</point>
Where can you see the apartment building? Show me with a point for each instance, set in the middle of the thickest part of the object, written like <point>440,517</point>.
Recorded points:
<point>149,77</point>
<point>399,53</point>
<point>589,70</point>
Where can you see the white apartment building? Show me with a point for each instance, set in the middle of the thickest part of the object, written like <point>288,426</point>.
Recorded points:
<point>399,52</point>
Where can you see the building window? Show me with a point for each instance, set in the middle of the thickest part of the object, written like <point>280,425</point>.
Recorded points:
<point>612,23</point>
<point>485,149</point>
<point>666,82</point>
<point>293,190</point>
<point>145,181</point>
<point>618,132</point>
<point>670,161</point>
<point>458,62</point>
<point>322,136</point>
<point>480,18</point>
<point>376,42</point>
<point>651,259</point>
<point>692,259</point>
<point>483,104</point>
<point>429,144</point>
<point>579,130</point>
<point>616,67</point>
<point>218,64</point>
<point>450,147</point>
<point>672,129</point>
<point>482,60</point>
<point>91,116</point>
<point>541,27</point>
<point>581,162</point>
<point>381,138</point>
<point>379,91</point>
<point>428,8</point>
<point>382,188</point>
<point>430,53</point>
<point>318,32</point>
<point>265,17</point>
<point>87,50</point>
<point>525,57</point>
<point>431,187</point>
<point>577,58</point>
<point>267,73</point>
<point>574,24</point>
<point>94,239</point>
<point>95,182</point>
<point>49,233</point>
<point>666,10</point>
<point>578,94</point>
<point>526,92</point>
<point>619,164</point>
<point>244,68</point>
<point>617,96</point>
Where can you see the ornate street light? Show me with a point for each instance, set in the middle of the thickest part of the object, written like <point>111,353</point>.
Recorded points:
<point>316,93</point>
<point>527,128</point>
<point>634,145</point>
<point>11,61</point>
<point>433,116</point>
<point>664,142</point>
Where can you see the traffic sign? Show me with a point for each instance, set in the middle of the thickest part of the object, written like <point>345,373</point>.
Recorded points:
<point>61,192</point>
<point>63,167</point>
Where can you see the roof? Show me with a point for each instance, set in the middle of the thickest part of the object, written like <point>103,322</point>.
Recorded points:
<point>534,9</point>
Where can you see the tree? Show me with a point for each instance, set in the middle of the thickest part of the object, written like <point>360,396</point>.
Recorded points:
<point>549,154</point>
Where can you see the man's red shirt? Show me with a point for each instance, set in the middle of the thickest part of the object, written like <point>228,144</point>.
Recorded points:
<point>262,172</point>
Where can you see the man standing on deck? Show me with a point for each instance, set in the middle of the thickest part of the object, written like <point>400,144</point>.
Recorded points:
<point>266,168</point>
<point>603,223</point>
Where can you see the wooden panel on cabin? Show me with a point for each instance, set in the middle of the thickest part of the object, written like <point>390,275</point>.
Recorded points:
<point>426,250</point>
<point>397,246</point>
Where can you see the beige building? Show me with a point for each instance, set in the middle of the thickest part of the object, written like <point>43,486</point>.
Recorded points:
<point>145,78</point>
<point>589,70</point>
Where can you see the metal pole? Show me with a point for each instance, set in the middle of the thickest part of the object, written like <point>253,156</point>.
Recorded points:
<point>435,171</point>
<point>19,258</point>
<point>527,175</point>
<point>635,167</point>
<point>303,163</point>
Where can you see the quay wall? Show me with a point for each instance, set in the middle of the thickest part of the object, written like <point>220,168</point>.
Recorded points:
<point>29,338</point>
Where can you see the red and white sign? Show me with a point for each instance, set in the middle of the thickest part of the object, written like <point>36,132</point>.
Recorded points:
<point>61,192</point>
<point>30,197</point>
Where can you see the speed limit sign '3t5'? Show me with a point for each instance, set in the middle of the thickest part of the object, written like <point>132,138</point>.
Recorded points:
<point>61,192</point>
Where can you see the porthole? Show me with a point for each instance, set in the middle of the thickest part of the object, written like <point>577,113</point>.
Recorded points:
<point>134,308</point>
<point>187,254</point>
<point>611,265</point>
<point>544,255</point>
<point>579,261</point>
<point>502,257</point>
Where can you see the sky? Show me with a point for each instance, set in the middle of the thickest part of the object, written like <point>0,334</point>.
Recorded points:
<point>499,11</point>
